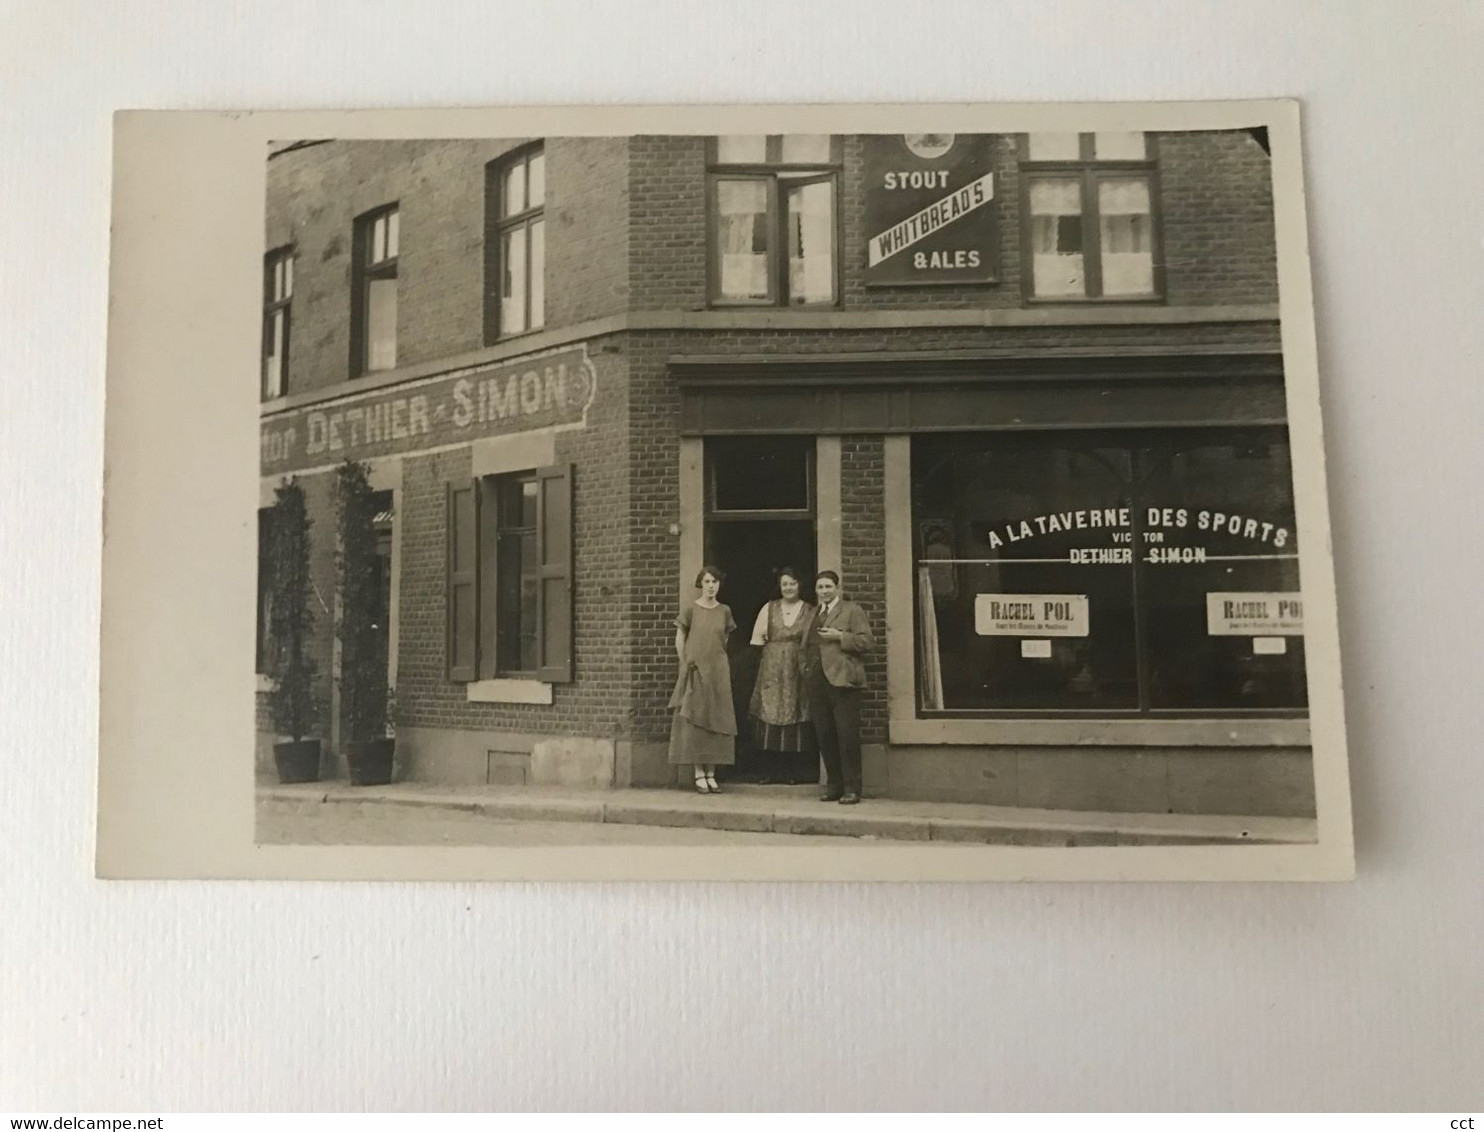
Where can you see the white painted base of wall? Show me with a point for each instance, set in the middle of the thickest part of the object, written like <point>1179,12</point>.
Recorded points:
<point>573,762</point>
<point>452,757</point>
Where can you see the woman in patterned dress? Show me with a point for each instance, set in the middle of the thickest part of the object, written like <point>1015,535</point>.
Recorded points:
<point>703,730</point>
<point>779,712</point>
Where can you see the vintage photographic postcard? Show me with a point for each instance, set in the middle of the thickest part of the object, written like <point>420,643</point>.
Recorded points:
<point>718,493</point>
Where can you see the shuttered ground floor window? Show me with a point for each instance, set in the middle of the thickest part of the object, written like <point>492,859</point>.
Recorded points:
<point>509,592</point>
<point>1107,572</point>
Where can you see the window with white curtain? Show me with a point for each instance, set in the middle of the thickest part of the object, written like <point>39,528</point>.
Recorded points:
<point>1056,236</point>
<point>1124,225</point>
<point>742,245</point>
<point>774,219</point>
<point>1090,218</point>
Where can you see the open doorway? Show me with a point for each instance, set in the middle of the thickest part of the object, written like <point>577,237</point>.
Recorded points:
<point>760,517</point>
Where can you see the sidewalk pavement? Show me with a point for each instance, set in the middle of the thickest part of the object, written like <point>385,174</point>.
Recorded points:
<point>784,809</point>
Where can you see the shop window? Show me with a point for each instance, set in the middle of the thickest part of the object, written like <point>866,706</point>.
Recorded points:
<point>278,290</point>
<point>374,311</point>
<point>1089,218</point>
<point>1107,574</point>
<point>516,244</point>
<point>774,219</point>
<point>1225,632</point>
<point>265,591</point>
<point>510,576</point>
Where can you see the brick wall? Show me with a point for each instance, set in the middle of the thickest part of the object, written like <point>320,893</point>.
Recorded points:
<point>316,193</point>
<point>654,462</point>
<point>863,562</point>
<point>1216,196</point>
<point>587,229</point>
<point>597,703</point>
<point>667,229</point>
<point>626,229</point>
<point>1215,202</point>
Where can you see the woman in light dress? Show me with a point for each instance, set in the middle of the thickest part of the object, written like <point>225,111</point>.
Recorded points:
<point>779,712</point>
<point>703,730</point>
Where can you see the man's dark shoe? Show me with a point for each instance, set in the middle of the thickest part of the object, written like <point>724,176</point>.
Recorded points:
<point>830,796</point>
<point>849,799</point>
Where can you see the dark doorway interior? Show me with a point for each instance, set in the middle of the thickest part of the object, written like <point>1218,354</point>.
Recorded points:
<point>751,553</point>
<point>759,518</point>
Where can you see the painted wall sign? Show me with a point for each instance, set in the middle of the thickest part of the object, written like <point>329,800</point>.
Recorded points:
<point>1030,615</point>
<point>930,210</point>
<point>1255,614</point>
<point>551,390</point>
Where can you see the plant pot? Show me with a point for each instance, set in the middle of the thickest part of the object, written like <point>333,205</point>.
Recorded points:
<point>370,762</point>
<point>297,761</point>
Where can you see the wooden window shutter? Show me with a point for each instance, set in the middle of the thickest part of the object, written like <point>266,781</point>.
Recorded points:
<point>488,512</point>
<point>463,585</point>
<point>554,571</point>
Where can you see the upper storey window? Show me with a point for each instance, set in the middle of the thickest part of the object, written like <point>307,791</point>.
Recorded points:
<point>1089,227</point>
<point>278,292</point>
<point>374,314</point>
<point>516,243</point>
<point>774,219</point>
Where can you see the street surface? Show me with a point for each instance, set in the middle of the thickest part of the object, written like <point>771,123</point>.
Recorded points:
<point>371,823</point>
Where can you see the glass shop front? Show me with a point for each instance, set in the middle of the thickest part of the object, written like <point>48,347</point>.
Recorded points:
<point>1116,573</point>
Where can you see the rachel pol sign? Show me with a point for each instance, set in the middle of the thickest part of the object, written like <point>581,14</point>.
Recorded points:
<point>1255,614</point>
<point>550,391</point>
<point>930,210</point>
<point>1030,615</point>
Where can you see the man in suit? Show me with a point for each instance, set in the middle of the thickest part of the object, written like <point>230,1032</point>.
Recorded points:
<point>833,661</point>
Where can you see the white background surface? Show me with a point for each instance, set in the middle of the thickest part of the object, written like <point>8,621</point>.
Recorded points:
<point>199,996</point>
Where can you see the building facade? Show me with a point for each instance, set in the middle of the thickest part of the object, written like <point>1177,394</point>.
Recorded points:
<point>1025,394</point>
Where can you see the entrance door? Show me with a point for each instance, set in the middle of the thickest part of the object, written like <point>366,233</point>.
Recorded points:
<point>759,519</point>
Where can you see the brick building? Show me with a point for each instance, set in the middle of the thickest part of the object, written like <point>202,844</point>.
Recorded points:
<point>1024,392</point>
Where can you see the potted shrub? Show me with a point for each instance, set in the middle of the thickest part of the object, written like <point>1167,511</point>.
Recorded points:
<point>292,701</point>
<point>364,695</point>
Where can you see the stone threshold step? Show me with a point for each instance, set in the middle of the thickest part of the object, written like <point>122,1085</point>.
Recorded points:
<point>796,810</point>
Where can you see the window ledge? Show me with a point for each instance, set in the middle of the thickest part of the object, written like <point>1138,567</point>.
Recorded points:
<point>508,692</point>
<point>514,335</point>
<point>265,683</point>
<point>1103,732</point>
<point>1093,300</point>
